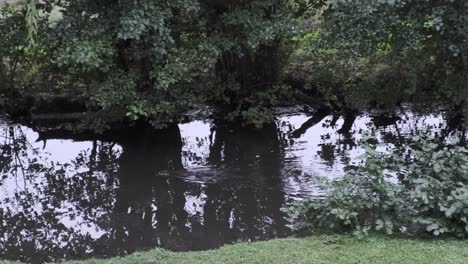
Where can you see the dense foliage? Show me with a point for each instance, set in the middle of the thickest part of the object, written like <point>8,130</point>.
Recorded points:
<point>386,52</point>
<point>155,61</point>
<point>423,189</point>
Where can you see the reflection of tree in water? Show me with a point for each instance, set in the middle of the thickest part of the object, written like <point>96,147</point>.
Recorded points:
<point>130,226</point>
<point>45,197</point>
<point>115,198</point>
<point>390,128</point>
<point>244,204</point>
<point>107,203</point>
<point>254,201</point>
<point>151,207</point>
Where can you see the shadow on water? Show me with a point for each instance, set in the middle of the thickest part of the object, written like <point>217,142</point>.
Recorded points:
<point>189,187</point>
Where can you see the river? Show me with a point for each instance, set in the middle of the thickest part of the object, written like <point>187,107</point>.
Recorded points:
<point>194,186</point>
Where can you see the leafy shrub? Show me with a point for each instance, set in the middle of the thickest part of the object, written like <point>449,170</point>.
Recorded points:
<point>421,189</point>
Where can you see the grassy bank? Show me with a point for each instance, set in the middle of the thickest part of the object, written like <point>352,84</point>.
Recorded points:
<point>322,249</point>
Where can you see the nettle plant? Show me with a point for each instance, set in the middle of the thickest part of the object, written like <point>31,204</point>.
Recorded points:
<point>420,189</point>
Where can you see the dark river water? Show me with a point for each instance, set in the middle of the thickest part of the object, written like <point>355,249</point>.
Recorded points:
<point>194,186</point>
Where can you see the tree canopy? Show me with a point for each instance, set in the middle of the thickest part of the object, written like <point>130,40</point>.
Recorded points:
<point>156,60</point>
<point>131,60</point>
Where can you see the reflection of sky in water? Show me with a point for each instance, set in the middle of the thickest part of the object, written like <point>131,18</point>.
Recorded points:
<point>300,155</point>
<point>196,140</point>
<point>63,151</point>
<point>321,150</point>
<point>52,153</point>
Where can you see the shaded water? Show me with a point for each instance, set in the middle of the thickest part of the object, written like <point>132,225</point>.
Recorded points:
<point>194,186</point>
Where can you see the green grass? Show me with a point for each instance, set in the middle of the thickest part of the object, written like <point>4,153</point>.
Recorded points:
<point>323,249</point>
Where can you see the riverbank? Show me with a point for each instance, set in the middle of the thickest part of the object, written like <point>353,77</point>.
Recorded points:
<point>323,249</point>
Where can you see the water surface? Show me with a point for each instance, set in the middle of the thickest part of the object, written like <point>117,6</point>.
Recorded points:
<point>194,186</point>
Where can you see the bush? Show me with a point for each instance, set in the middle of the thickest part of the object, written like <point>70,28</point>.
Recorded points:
<point>421,189</point>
